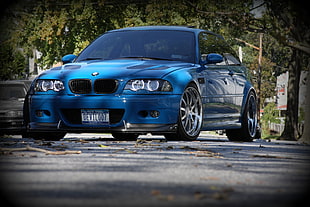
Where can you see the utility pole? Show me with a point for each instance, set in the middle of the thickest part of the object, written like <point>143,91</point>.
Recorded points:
<point>259,69</point>
<point>259,74</point>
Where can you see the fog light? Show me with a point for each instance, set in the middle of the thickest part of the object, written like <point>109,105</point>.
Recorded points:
<point>39,113</point>
<point>154,114</point>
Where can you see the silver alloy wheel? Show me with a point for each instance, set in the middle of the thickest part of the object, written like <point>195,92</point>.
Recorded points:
<point>191,111</point>
<point>252,116</point>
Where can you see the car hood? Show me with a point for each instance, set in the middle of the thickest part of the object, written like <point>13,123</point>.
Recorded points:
<point>115,69</point>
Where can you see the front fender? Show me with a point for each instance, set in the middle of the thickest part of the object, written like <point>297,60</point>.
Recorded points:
<point>180,79</point>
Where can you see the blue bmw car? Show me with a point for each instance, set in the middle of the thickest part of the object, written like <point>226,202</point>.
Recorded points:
<point>165,80</point>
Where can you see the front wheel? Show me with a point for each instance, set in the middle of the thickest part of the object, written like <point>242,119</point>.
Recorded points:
<point>190,116</point>
<point>249,122</point>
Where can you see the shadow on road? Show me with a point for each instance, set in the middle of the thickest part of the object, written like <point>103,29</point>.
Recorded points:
<point>152,172</point>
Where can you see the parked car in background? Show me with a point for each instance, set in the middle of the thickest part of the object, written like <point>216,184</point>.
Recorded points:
<point>167,80</point>
<point>12,95</point>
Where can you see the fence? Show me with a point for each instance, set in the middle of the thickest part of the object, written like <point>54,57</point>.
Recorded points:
<point>276,128</point>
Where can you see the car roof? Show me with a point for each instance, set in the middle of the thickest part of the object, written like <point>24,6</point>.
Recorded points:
<point>171,28</point>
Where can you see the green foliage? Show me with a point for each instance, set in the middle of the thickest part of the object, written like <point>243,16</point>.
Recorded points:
<point>289,23</point>
<point>12,63</point>
<point>271,115</point>
<point>58,27</point>
<point>268,80</point>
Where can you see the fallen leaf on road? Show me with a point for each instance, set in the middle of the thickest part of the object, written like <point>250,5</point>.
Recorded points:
<point>209,178</point>
<point>46,143</point>
<point>212,187</point>
<point>127,150</point>
<point>199,196</point>
<point>48,152</point>
<point>141,143</point>
<point>220,196</point>
<point>130,151</point>
<point>169,147</point>
<point>271,156</point>
<point>157,194</point>
<point>82,141</point>
<point>200,152</point>
<point>223,194</point>
<point>207,153</point>
<point>191,148</point>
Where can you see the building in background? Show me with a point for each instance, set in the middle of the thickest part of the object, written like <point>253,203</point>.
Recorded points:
<point>281,98</point>
<point>34,68</point>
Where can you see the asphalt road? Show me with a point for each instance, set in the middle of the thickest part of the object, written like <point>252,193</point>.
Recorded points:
<point>152,172</point>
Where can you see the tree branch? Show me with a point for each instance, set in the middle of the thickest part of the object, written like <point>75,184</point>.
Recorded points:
<point>262,4</point>
<point>301,47</point>
<point>213,12</point>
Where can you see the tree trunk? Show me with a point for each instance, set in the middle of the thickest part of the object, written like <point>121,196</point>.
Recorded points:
<point>305,138</point>
<point>291,122</point>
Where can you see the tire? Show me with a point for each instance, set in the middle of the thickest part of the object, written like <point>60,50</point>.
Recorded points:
<point>190,116</point>
<point>125,136</point>
<point>248,129</point>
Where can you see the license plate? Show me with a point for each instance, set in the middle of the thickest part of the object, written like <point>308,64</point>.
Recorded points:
<point>95,116</point>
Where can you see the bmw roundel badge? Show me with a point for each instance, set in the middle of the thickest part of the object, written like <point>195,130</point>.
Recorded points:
<point>95,74</point>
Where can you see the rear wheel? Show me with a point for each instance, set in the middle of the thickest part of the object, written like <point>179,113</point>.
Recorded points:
<point>249,122</point>
<point>190,116</point>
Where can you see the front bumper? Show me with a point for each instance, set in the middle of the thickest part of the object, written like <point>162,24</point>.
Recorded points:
<point>128,113</point>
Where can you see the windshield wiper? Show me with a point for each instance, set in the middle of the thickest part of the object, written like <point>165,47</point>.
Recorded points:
<point>91,58</point>
<point>147,58</point>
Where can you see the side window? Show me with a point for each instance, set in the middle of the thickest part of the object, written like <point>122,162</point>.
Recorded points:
<point>231,60</point>
<point>209,43</point>
<point>228,53</point>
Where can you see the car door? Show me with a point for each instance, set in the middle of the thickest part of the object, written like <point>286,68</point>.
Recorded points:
<point>220,90</point>
<point>237,72</point>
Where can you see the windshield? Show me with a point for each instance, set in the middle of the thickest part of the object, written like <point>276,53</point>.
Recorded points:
<point>166,45</point>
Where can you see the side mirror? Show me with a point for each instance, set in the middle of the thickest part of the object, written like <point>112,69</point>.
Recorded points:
<point>68,58</point>
<point>211,58</point>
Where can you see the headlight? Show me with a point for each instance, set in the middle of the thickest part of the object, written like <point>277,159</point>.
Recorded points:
<point>149,85</point>
<point>58,85</point>
<point>45,85</point>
